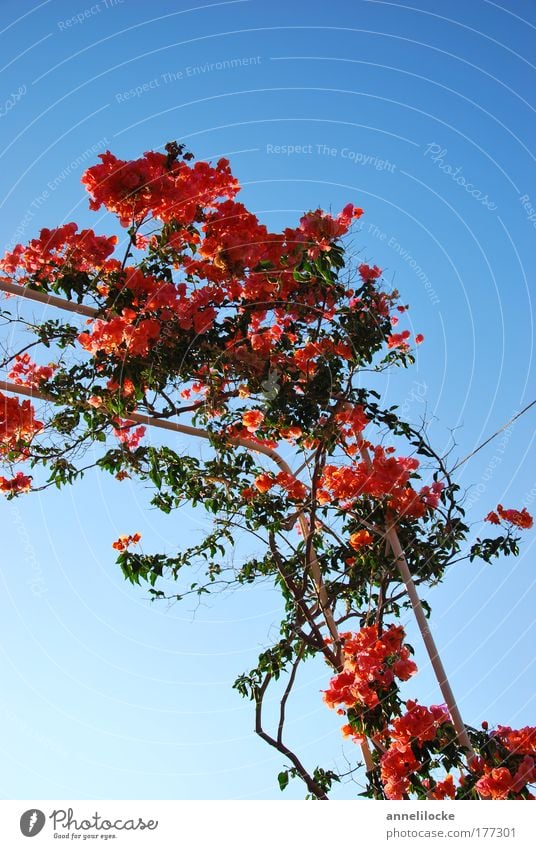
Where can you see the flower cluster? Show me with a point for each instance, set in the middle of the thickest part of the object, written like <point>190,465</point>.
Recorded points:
<point>361,539</point>
<point>386,477</point>
<point>409,733</point>
<point>58,252</point>
<point>27,373</point>
<point>351,421</point>
<point>501,783</point>
<point>519,518</point>
<point>125,540</point>
<point>520,741</point>
<point>293,487</point>
<point>252,420</point>
<point>444,789</point>
<point>128,437</point>
<point>18,426</point>
<point>371,663</point>
<point>155,186</point>
<point>121,334</point>
<point>322,230</point>
<point>424,732</point>
<point>399,340</point>
<point>510,764</point>
<point>415,742</point>
<point>19,483</point>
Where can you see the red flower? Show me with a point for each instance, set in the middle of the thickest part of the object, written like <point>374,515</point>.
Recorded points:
<point>321,229</point>
<point>125,434</point>
<point>526,773</point>
<point>404,668</point>
<point>27,373</point>
<point>355,736</point>
<point>397,765</point>
<point>151,186</point>
<point>522,519</point>
<point>122,333</point>
<point>387,476</point>
<point>431,494</point>
<point>291,433</point>
<point>58,252</point>
<point>521,742</point>
<point>371,663</point>
<point>340,690</point>
<point>368,273</point>
<point>125,389</point>
<point>495,783</point>
<point>417,724</point>
<point>125,540</point>
<point>295,488</point>
<point>355,420</point>
<point>19,483</point>
<point>519,518</point>
<point>399,340</point>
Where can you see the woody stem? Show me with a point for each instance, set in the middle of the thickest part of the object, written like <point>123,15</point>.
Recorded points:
<point>429,642</point>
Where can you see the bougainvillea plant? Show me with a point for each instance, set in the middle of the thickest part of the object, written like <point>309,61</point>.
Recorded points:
<point>259,343</point>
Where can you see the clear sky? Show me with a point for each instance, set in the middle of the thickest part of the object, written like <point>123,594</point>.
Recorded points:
<point>105,695</point>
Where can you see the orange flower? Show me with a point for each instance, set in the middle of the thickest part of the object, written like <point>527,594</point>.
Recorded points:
<point>397,765</point>
<point>443,789</point>
<point>348,731</point>
<point>125,540</point>
<point>17,425</point>
<point>27,373</point>
<point>20,483</point>
<point>264,482</point>
<point>367,670</point>
<point>45,258</point>
<point>151,184</point>
<point>291,433</point>
<point>360,540</point>
<point>418,724</point>
<point>495,783</point>
<point>252,420</point>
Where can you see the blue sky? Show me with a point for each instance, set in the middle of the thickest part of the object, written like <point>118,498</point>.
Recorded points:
<point>424,116</point>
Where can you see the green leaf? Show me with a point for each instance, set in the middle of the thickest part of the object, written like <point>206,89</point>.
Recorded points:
<point>283,779</point>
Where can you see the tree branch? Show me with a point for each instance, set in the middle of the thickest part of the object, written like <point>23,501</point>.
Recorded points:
<point>305,776</point>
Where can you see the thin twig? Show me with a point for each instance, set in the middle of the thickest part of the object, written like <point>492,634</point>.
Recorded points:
<point>286,694</point>
<point>508,423</point>
<point>309,781</point>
